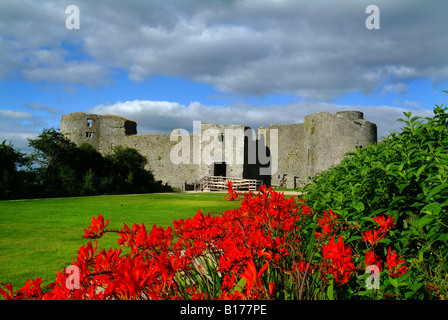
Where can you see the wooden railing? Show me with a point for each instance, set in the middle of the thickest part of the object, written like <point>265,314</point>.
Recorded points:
<point>217,183</point>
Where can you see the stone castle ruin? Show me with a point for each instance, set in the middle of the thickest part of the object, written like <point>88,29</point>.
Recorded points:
<point>282,155</point>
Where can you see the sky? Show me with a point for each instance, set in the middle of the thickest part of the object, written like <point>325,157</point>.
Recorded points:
<point>167,63</point>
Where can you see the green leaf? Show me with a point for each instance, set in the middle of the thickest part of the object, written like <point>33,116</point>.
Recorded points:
<point>432,208</point>
<point>415,118</point>
<point>436,190</point>
<point>359,206</point>
<point>393,282</point>
<point>240,285</point>
<point>420,255</point>
<point>354,238</point>
<point>443,237</point>
<point>424,221</point>
<point>414,288</point>
<point>330,290</point>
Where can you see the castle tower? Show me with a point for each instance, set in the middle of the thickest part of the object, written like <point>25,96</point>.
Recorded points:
<point>101,131</point>
<point>330,136</point>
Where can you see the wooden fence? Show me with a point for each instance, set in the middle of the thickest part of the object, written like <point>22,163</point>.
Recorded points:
<point>217,183</point>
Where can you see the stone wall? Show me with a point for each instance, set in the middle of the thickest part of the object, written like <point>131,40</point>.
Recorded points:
<point>295,152</point>
<point>292,165</point>
<point>157,149</point>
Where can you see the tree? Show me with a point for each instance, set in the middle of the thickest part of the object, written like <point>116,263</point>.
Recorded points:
<point>55,154</point>
<point>52,148</point>
<point>129,168</point>
<point>10,161</point>
<point>63,169</point>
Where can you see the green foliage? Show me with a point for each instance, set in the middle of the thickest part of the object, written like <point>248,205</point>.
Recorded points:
<point>129,169</point>
<point>10,161</point>
<point>51,148</point>
<point>406,177</point>
<point>63,169</point>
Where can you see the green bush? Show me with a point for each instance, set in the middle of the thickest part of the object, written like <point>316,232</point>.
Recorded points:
<point>405,176</point>
<point>59,168</point>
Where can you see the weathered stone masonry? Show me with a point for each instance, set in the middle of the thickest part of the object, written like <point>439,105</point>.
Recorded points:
<point>304,149</point>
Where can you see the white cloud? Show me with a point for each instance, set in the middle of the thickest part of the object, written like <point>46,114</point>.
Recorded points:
<point>412,105</point>
<point>318,50</point>
<point>15,115</point>
<point>400,88</point>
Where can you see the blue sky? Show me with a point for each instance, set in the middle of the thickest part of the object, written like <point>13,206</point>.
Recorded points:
<point>168,63</point>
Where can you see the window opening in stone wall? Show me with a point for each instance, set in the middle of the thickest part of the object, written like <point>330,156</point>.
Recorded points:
<point>89,123</point>
<point>89,134</point>
<point>220,137</point>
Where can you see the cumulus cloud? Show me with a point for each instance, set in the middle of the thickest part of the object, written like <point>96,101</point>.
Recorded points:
<point>164,116</point>
<point>316,50</point>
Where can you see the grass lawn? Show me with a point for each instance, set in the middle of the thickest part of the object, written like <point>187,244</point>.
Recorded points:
<point>41,236</point>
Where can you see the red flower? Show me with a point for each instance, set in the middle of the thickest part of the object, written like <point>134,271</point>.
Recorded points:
<point>8,295</point>
<point>132,277</point>
<point>327,223</point>
<point>231,194</point>
<point>96,229</point>
<point>372,259</point>
<point>126,236</point>
<point>341,260</point>
<point>31,290</point>
<point>373,236</point>
<point>385,224</point>
<point>393,263</point>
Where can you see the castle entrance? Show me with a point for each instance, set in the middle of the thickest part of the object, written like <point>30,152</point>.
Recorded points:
<point>219,169</point>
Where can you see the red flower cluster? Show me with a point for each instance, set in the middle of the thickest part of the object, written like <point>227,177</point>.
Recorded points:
<point>213,256</point>
<point>396,266</point>
<point>257,251</point>
<point>30,291</point>
<point>342,265</point>
<point>341,256</point>
<point>374,236</point>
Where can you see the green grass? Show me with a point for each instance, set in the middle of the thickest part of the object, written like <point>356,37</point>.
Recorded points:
<point>41,236</point>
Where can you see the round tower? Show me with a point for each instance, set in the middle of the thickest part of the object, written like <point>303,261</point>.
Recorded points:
<point>330,136</point>
<point>101,131</point>
<point>80,127</point>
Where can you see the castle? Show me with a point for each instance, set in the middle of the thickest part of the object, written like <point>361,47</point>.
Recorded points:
<point>282,155</point>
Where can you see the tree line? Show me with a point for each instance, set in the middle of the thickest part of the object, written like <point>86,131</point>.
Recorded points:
<point>59,168</point>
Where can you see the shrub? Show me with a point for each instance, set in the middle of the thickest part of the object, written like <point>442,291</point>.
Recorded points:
<point>405,177</point>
